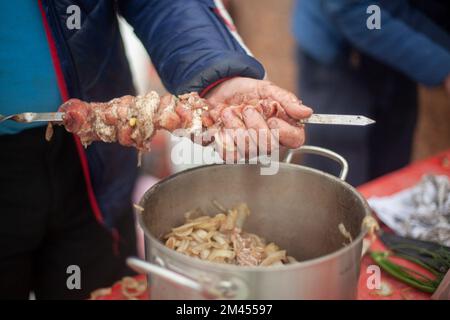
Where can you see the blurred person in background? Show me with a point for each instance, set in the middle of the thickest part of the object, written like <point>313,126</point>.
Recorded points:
<point>64,208</point>
<point>347,68</point>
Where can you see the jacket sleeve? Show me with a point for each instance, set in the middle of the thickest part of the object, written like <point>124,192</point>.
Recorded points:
<point>408,40</point>
<point>189,43</point>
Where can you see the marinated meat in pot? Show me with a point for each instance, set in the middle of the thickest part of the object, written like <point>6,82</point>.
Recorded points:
<point>221,239</point>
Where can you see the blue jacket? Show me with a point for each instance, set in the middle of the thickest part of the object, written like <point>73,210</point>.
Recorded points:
<point>190,46</point>
<point>412,37</point>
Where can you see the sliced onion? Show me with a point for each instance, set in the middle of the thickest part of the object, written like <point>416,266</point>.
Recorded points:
<point>270,248</point>
<point>219,206</point>
<point>200,247</point>
<point>242,213</point>
<point>219,238</point>
<point>204,254</point>
<point>183,246</point>
<point>171,242</point>
<point>184,227</point>
<point>345,233</point>
<point>220,253</point>
<point>183,232</point>
<point>274,257</point>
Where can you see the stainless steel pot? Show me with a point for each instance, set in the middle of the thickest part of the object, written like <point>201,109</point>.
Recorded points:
<point>298,208</point>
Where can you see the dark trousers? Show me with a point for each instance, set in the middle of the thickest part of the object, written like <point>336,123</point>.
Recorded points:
<point>366,87</point>
<point>47,224</point>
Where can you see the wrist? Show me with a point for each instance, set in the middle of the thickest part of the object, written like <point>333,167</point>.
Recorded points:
<point>447,84</point>
<point>207,91</point>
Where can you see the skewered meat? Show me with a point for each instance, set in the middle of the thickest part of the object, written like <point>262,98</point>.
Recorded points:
<point>132,121</point>
<point>221,239</point>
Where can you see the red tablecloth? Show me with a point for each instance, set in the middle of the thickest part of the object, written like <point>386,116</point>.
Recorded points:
<point>386,185</point>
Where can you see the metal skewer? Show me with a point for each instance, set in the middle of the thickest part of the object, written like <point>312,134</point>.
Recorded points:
<point>27,117</point>
<point>335,119</point>
<point>338,119</point>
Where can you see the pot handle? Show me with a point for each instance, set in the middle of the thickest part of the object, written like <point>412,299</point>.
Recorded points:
<point>142,266</point>
<point>223,290</point>
<point>321,152</point>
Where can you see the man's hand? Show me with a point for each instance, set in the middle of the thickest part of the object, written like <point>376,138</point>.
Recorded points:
<point>245,103</point>
<point>447,84</point>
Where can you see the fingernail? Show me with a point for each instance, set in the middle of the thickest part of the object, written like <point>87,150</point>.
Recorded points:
<point>307,108</point>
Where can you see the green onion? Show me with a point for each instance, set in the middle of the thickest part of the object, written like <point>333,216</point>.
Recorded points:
<point>406,275</point>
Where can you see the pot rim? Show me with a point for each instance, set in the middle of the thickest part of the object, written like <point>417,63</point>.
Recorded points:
<point>234,268</point>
